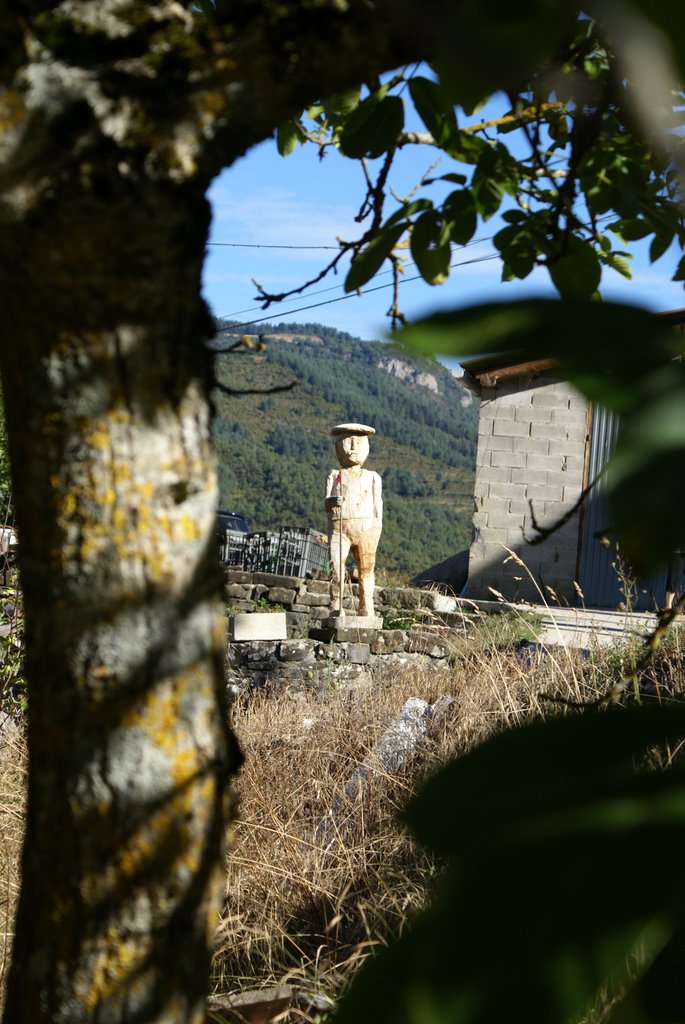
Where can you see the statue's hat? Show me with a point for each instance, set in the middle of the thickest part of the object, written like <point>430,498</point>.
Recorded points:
<point>343,429</point>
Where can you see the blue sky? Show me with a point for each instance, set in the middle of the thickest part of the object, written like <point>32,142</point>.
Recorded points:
<point>267,200</point>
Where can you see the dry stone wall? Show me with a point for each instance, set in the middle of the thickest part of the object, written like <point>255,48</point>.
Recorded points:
<point>420,623</point>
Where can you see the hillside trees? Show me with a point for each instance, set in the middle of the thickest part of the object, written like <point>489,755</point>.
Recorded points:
<point>421,432</point>
<point>114,118</point>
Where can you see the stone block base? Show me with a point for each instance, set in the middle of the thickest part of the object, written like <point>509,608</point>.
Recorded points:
<point>258,626</point>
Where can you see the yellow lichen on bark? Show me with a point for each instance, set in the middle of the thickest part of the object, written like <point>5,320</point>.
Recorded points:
<point>12,109</point>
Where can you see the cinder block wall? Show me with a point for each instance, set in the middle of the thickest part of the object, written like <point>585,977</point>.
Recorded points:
<point>531,446</point>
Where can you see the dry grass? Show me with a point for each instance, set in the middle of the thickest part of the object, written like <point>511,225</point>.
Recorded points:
<point>310,895</point>
<point>13,766</point>
<point>306,902</point>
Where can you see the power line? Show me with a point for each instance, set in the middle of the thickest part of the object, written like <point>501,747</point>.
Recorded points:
<point>334,287</point>
<point>322,291</point>
<point>259,245</point>
<point>355,295</point>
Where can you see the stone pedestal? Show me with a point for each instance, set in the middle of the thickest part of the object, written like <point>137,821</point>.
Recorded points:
<point>345,629</point>
<point>347,621</point>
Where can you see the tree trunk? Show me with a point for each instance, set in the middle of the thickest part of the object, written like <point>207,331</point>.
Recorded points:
<point>115,488</point>
<point>113,119</point>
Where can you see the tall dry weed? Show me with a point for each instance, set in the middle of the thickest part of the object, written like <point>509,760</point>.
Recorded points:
<point>310,893</point>
<point>316,881</point>
<point>13,770</point>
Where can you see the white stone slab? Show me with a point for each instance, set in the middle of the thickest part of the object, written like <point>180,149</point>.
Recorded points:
<point>258,626</point>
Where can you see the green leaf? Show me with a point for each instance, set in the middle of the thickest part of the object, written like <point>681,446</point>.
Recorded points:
<point>466,147</point>
<point>370,259</point>
<point>430,248</point>
<point>646,475</point>
<point>457,179</point>
<point>433,108</point>
<point>630,230</point>
<point>518,249</point>
<point>342,103</point>
<point>407,210</point>
<point>287,138</point>
<point>606,349</point>
<point>618,263</point>
<point>459,213</point>
<point>373,126</point>
<point>660,244</point>
<point>578,273</point>
<point>496,174</point>
<point>514,216</point>
<point>680,270</point>
<point>530,918</point>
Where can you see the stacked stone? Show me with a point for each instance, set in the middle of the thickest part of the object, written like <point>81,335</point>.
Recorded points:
<point>307,601</point>
<point>314,665</point>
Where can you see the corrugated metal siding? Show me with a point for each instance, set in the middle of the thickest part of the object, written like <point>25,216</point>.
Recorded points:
<point>598,577</point>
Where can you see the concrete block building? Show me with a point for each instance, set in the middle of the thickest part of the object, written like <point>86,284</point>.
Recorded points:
<point>540,444</point>
<point>531,467</point>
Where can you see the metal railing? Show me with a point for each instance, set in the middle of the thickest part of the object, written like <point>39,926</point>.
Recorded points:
<point>289,551</point>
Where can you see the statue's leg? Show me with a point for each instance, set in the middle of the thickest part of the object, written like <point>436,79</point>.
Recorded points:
<point>365,557</point>
<point>334,541</point>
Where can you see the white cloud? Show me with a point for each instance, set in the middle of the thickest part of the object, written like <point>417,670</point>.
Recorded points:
<point>275,216</point>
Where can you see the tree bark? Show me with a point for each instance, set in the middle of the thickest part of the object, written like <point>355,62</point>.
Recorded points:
<point>113,119</point>
<point>116,499</point>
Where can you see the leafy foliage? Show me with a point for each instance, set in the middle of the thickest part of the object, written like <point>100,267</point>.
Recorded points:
<point>530,918</point>
<point>563,167</point>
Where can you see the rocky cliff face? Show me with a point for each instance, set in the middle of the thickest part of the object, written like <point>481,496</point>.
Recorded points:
<point>406,372</point>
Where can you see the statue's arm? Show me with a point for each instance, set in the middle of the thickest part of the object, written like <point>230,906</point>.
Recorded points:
<point>377,498</point>
<point>332,501</point>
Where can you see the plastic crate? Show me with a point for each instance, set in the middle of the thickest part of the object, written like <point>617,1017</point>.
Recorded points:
<point>289,551</point>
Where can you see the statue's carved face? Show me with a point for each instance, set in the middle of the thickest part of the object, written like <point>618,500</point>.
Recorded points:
<point>352,450</point>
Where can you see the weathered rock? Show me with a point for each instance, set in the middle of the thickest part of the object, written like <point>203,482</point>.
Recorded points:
<point>358,654</point>
<point>342,635</point>
<point>272,580</point>
<point>298,616</point>
<point>437,602</point>
<point>401,597</point>
<point>322,587</point>
<point>260,1006</point>
<point>387,641</point>
<point>264,651</point>
<point>239,590</point>
<point>281,595</point>
<point>392,751</point>
<point>426,643</point>
<point>296,650</point>
<point>238,576</point>
<point>315,600</point>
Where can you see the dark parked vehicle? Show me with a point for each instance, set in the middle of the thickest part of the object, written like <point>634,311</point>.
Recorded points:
<point>234,521</point>
<point>233,530</point>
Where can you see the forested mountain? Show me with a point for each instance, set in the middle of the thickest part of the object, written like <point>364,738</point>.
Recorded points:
<point>275,450</point>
